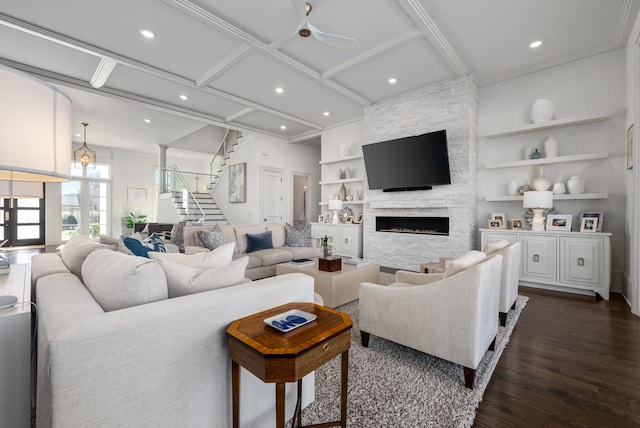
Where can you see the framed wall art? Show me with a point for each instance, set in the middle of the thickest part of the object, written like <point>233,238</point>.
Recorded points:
<point>136,195</point>
<point>238,183</point>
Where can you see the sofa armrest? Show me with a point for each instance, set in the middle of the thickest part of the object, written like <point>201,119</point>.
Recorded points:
<point>416,278</point>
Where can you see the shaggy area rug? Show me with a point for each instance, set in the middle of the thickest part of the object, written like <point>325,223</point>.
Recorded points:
<point>394,386</point>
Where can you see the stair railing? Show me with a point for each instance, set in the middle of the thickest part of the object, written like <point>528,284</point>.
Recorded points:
<point>218,162</point>
<point>187,195</point>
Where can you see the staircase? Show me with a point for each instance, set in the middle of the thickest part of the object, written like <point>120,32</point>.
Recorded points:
<point>205,212</point>
<point>220,160</point>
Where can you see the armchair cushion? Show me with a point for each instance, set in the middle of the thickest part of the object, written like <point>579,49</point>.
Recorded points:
<point>415,278</point>
<point>492,247</point>
<point>469,259</point>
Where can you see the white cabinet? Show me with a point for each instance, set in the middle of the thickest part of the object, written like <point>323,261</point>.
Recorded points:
<point>346,239</point>
<point>569,261</point>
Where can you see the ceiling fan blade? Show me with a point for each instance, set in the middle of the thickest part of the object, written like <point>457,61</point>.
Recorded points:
<point>278,44</point>
<point>333,39</point>
<point>300,10</point>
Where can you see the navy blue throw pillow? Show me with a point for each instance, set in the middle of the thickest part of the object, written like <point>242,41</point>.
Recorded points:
<point>259,241</point>
<point>142,248</point>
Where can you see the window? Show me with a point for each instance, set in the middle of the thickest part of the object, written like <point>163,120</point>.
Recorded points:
<point>85,202</point>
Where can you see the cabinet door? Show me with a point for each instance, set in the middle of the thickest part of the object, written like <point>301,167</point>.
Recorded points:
<point>539,258</point>
<point>318,230</point>
<point>489,237</point>
<point>582,261</point>
<point>347,242</point>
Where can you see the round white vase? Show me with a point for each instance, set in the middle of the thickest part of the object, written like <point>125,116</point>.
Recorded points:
<point>346,149</point>
<point>527,152</point>
<point>541,183</point>
<point>575,185</point>
<point>559,188</point>
<point>541,110</point>
<point>550,147</point>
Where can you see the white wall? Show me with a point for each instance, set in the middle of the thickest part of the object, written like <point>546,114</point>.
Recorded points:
<point>595,85</point>
<point>260,150</point>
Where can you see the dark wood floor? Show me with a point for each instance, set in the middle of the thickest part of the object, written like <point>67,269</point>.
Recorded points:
<point>571,361</point>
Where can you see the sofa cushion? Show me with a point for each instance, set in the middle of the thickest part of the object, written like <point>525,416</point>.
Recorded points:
<point>273,256</point>
<point>298,237</point>
<point>77,250</point>
<point>241,235</point>
<point>259,241</point>
<point>117,280</point>
<point>302,252</point>
<point>492,247</point>
<point>183,280</point>
<point>254,261</point>
<point>279,234</point>
<point>206,260</point>
<point>463,262</point>
<point>142,247</point>
<point>212,239</point>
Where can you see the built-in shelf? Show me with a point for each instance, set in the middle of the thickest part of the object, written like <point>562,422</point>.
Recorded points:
<point>566,196</point>
<point>575,120</point>
<point>344,180</point>
<point>344,159</point>
<point>344,203</point>
<point>544,161</point>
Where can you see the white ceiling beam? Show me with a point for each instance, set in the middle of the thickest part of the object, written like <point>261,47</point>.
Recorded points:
<point>239,114</point>
<point>622,24</point>
<point>419,15</point>
<point>102,73</point>
<point>232,59</point>
<point>372,53</point>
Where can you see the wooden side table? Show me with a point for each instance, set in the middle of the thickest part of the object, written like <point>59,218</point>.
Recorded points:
<point>277,357</point>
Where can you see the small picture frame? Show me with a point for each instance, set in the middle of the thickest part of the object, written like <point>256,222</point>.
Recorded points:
<point>348,219</point>
<point>321,218</point>
<point>359,218</point>
<point>559,222</point>
<point>589,224</point>
<point>598,214</point>
<point>630,147</point>
<point>516,224</point>
<point>495,224</point>
<point>500,216</point>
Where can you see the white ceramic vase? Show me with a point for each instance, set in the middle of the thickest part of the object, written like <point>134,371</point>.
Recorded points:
<point>559,188</point>
<point>527,152</point>
<point>575,185</point>
<point>541,111</point>
<point>541,182</point>
<point>512,188</point>
<point>550,147</point>
<point>346,149</point>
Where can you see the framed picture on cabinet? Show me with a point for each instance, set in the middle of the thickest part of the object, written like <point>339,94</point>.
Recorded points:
<point>630,147</point>
<point>321,218</point>
<point>495,224</point>
<point>559,222</point>
<point>359,218</point>
<point>594,214</point>
<point>500,216</point>
<point>348,219</point>
<point>589,224</point>
<point>516,224</point>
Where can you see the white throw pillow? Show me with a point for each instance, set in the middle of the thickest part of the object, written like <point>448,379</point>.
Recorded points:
<point>76,251</point>
<point>117,280</point>
<point>183,280</point>
<point>463,262</point>
<point>492,247</point>
<point>205,260</point>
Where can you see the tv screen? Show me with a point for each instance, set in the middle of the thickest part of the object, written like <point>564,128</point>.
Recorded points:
<point>409,163</point>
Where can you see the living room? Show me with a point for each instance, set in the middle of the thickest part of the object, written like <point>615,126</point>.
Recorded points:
<point>473,108</point>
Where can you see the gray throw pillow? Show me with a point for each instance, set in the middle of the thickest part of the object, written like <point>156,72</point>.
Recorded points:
<point>212,239</point>
<point>300,237</point>
<point>177,235</point>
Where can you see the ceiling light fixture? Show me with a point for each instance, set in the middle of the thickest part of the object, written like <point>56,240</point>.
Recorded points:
<point>147,33</point>
<point>84,156</point>
<point>393,81</point>
<point>326,113</point>
<point>535,44</point>
<point>147,120</point>
<point>184,97</point>
<point>279,90</point>
<point>283,127</point>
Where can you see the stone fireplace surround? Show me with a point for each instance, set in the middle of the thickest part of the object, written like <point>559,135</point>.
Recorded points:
<point>450,105</point>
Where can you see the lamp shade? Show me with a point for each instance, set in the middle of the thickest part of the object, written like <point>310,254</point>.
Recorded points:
<point>335,204</point>
<point>35,129</point>
<point>537,200</point>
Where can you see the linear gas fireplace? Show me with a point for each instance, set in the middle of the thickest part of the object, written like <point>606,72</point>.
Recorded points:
<point>417,225</point>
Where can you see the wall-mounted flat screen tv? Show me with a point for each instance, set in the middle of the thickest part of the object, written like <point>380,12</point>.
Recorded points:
<point>409,163</point>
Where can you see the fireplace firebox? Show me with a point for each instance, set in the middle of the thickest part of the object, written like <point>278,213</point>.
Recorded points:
<point>417,225</point>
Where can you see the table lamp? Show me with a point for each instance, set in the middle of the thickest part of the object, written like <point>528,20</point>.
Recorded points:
<point>335,205</point>
<point>538,201</point>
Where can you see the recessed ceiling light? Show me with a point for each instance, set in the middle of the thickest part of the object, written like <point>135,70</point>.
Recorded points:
<point>326,113</point>
<point>147,120</point>
<point>393,81</point>
<point>279,90</point>
<point>147,33</point>
<point>77,135</point>
<point>535,44</point>
<point>184,97</point>
<point>283,127</point>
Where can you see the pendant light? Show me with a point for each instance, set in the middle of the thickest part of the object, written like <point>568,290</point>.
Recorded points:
<point>84,156</point>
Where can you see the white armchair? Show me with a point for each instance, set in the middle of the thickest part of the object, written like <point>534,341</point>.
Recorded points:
<point>451,315</point>
<point>510,274</point>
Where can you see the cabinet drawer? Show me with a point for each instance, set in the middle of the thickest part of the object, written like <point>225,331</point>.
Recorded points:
<point>539,256</point>
<point>488,238</point>
<point>582,261</point>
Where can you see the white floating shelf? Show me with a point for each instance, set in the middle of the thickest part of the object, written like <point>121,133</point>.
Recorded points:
<point>345,203</point>
<point>575,120</point>
<point>345,159</point>
<point>544,161</point>
<point>344,180</point>
<point>566,196</point>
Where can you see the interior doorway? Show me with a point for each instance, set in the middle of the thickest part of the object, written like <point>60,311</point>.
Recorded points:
<point>271,195</point>
<point>300,198</point>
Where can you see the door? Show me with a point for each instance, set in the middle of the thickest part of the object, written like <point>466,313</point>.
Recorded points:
<point>581,261</point>
<point>271,195</point>
<point>22,222</point>
<point>538,258</point>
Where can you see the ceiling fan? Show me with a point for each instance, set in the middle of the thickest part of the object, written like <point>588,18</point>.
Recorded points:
<point>306,29</point>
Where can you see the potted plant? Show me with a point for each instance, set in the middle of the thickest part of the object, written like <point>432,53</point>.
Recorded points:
<point>133,219</point>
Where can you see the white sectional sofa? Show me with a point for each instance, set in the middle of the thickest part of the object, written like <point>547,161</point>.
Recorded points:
<point>158,364</point>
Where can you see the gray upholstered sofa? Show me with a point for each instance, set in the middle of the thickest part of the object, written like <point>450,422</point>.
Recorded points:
<point>262,263</point>
<point>163,363</point>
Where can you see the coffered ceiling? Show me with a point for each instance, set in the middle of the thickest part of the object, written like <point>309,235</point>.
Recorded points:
<point>229,56</point>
